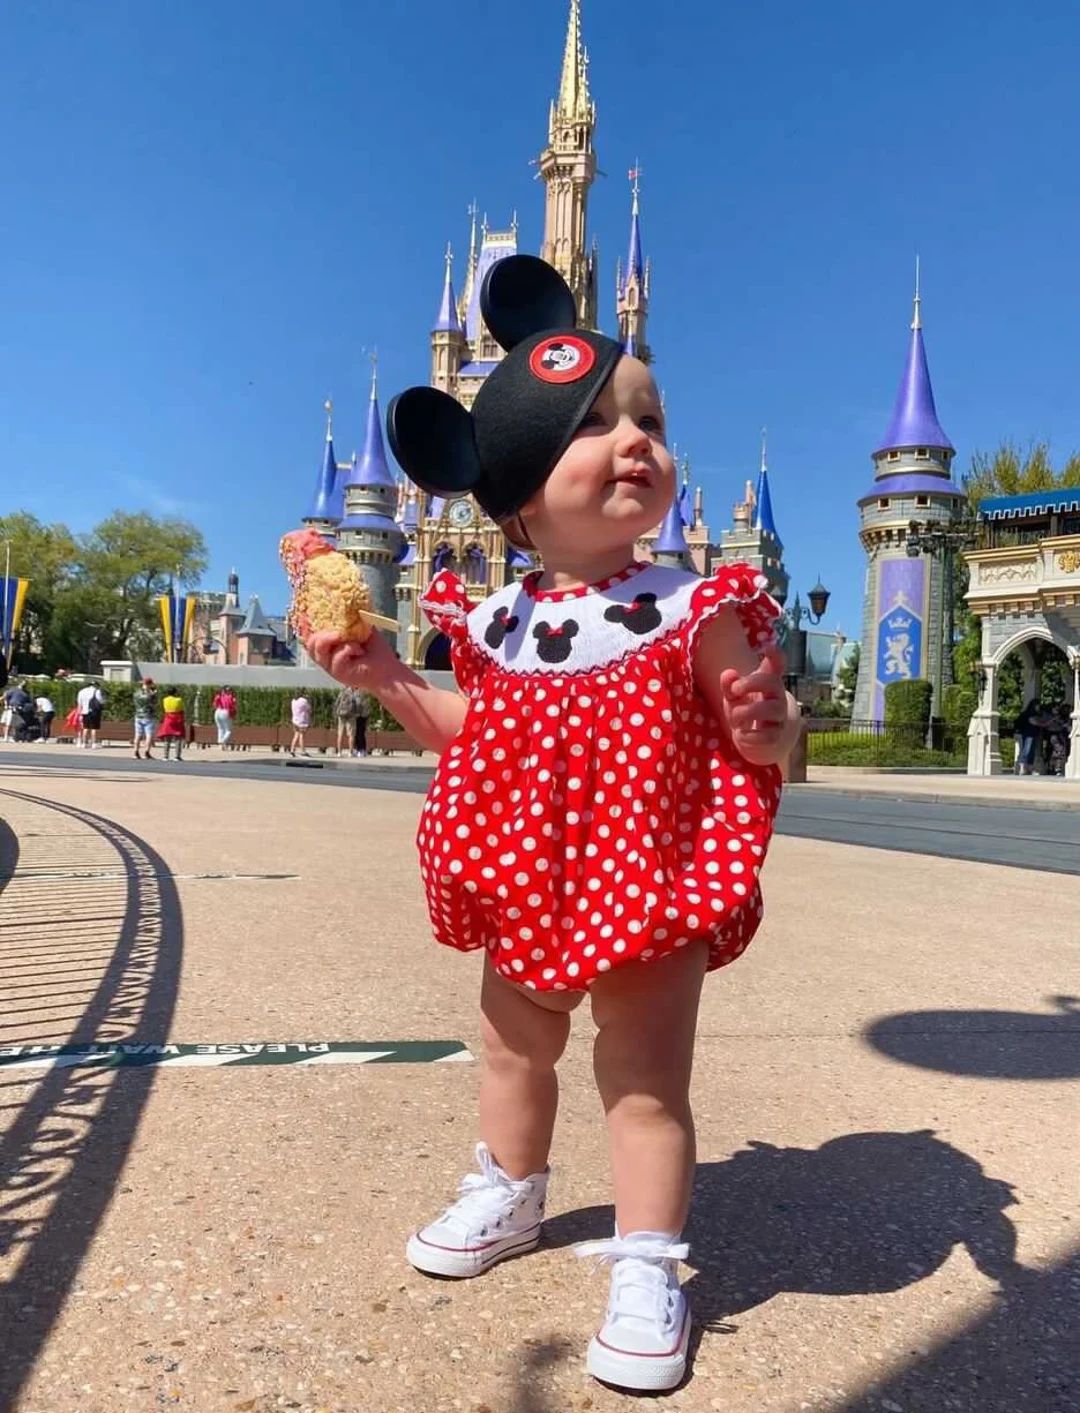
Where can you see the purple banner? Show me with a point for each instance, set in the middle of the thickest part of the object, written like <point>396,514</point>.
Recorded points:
<point>901,613</point>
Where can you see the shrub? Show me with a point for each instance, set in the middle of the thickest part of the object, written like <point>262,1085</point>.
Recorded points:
<point>850,748</point>
<point>958,704</point>
<point>831,710</point>
<point>908,703</point>
<point>255,706</point>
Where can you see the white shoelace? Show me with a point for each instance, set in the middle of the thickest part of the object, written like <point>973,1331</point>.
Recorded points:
<point>486,1195</point>
<point>640,1288</point>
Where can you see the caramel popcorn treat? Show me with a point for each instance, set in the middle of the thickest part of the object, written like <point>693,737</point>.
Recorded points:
<point>329,595</point>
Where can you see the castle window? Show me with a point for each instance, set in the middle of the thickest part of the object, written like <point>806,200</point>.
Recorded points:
<point>922,453</point>
<point>475,565</point>
<point>883,503</point>
<point>894,456</point>
<point>922,502</point>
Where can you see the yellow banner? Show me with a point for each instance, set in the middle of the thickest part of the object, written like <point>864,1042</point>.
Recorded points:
<point>21,587</point>
<point>189,618</point>
<point>165,605</point>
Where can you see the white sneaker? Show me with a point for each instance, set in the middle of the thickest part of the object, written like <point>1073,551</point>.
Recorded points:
<point>642,1342</point>
<point>494,1218</point>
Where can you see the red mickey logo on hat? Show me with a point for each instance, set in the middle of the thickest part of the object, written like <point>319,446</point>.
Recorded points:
<point>562,359</point>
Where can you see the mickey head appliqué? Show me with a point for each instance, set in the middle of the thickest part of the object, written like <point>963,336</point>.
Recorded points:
<point>554,644</point>
<point>641,616</point>
<point>500,625</point>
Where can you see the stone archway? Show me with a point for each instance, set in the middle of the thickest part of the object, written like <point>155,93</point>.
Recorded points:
<point>984,745</point>
<point>435,652</point>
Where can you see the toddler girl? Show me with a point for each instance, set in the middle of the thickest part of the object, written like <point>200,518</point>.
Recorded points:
<point>604,798</point>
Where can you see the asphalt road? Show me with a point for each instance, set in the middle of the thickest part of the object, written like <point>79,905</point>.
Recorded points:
<point>1012,835</point>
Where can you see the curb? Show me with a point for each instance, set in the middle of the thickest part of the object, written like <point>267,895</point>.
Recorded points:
<point>918,798</point>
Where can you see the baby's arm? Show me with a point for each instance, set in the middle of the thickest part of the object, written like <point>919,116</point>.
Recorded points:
<point>434,717</point>
<point>746,691</point>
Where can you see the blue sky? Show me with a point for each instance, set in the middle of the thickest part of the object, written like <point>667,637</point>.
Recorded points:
<point>210,213</point>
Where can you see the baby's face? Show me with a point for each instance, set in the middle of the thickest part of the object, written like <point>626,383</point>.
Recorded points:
<point>616,479</point>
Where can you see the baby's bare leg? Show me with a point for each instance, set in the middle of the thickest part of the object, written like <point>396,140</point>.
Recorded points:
<point>646,1018</point>
<point>524,1033</point>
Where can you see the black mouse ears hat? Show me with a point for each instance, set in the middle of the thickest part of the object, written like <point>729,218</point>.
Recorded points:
<point>528,409</point>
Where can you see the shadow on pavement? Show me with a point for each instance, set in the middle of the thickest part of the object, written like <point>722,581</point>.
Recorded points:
<point>63,1152</point>
<point>986,1044</point>
<point>865,1213</point>
<point>1021,1358</point>
<point>9,853</point>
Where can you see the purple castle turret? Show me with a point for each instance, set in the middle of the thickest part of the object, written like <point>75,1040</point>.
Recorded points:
<point>904,633</point>
<point>632,284</point>
<point>324,512</point>
<point>368,532</point>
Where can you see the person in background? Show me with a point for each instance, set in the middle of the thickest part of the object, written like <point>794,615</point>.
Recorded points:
<point>24,716</point>
<point>224,715</point>
<point>1056,725</point>
<point>301,721</point>
<point>46,714</point>
<point>91,700</point>
<point>1027,738</point>
<point>360,733</point>
<point>7,717</point>
<point>173,728</point>
<point>145,701</point>
<point>346,710</point>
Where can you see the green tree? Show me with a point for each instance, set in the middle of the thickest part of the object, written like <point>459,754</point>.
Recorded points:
<point>47,556</point>
<point>847,678</point>
<point>124,565</point>
<point>1007,471</point>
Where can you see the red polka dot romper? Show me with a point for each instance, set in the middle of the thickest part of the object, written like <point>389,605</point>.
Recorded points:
<point>591,811</point>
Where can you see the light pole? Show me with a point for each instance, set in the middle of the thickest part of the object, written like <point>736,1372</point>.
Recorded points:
<point>941,541</point>
<point>8,653</point>
<point>792,617</point>
<point>92,643</point>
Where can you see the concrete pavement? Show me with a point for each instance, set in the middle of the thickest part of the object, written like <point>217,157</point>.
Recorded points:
<point>886,1093</point>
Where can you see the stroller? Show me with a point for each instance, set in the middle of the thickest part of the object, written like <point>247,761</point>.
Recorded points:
<point>27,726</point>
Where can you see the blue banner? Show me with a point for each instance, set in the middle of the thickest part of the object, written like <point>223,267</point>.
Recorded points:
<point>12,599</point>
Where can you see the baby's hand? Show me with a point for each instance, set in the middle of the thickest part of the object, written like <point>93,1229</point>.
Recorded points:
<point>758,709</point>
<point>364,666</point>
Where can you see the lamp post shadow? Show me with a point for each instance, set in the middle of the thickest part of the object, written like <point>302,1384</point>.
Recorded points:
<point>62,1154</point>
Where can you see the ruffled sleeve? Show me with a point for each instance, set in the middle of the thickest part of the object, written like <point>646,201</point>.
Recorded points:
<point>742,587</point>
<point>447,607</point>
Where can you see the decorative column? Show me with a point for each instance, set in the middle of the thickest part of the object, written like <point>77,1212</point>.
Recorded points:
<point>1072,765</point>
<point>984,746</point>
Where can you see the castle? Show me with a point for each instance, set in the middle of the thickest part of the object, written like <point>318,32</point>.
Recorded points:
<point>398,536</point>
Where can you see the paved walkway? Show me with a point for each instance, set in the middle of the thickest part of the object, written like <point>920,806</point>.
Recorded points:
<point>886,1093</point>
<point>1047,791</point>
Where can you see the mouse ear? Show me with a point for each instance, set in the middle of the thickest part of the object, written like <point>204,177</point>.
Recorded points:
<point>432,437</point>
<point>522,295</point>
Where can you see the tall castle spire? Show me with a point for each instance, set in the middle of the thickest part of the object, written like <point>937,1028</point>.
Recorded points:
<point>915,421</point>
<point>323,513</point>
<point>447,320</point>
<point>568,167</point>
<point>632,284</point>
<point>447,336</point>
<point>763,511</point>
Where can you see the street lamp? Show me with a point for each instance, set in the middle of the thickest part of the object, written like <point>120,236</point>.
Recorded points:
<point>794,638</point>
<point>819,597</point>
